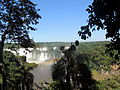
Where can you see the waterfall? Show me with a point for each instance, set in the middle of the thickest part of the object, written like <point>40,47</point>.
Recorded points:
<point>37,55</point>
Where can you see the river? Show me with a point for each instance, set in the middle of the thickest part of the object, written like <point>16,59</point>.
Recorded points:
<point>42,73</point>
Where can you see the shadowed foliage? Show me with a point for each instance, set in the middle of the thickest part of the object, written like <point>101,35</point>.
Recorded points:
<point>72,71</point>
<point>16,18</point>
<point>18,76</point>
<point>104,15</point>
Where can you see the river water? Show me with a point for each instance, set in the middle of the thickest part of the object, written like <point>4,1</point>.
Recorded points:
<point>42,73</point>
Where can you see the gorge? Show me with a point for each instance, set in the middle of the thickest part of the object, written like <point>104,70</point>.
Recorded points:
<point>39,54</point>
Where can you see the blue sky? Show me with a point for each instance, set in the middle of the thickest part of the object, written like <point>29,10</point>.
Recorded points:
<point>61,20</point>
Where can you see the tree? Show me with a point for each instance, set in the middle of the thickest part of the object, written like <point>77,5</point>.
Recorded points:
<point>104,15</point>
<point>71,72</point>
<point>17,73</point>
<point>16,18</point>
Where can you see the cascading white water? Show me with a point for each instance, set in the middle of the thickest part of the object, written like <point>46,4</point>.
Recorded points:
<point>37,55</point>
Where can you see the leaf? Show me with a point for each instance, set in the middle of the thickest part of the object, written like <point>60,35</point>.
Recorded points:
<point>88,9</point>
<point>76,42</point>
<point>79,32</point>
<point>83,27</point>
<point>116,57</point>
<point>93,29</point>
<point>98,28</point>
<point>73,47</point>
<point>83,37</point>
<point>90,6</point>
<point>89,34</point>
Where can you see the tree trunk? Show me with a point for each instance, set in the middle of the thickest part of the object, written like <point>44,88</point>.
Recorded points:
<point>68,73</point>
<point>3,71</point>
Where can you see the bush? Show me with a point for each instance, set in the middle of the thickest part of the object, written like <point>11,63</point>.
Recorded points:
<point>109,84</point>
<point>30,66</point>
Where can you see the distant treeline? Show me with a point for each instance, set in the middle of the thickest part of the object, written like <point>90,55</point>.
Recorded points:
<point>52,44</point>
<point>58,44</point>
<point>41,44</point>
<point>89,47</point>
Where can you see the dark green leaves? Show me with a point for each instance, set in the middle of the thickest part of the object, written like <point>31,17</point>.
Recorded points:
<point>76,42</point>
<point>83,37</point>
<point>17,17</point>
<point>104,15</point>
<point>73,47</point>
<point>89,34</point>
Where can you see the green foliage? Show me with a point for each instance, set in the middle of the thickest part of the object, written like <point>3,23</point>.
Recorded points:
<point>98,58</point>
<point>17,71</point>
<point>16,19</point>
<point>8,56</point>
<point>51,44</point>
<point>72,70</point>
<point>54,85</point>
<point>104,15</point>
<point>109,84</point>
<point>12,67</point>
<point>29,66</point>
<point>21,59</point>
<point>81,60</point>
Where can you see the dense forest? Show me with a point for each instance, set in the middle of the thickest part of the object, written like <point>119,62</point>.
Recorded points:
<point>103,69</point>
<point>49,45</point>
<point>88,67</point>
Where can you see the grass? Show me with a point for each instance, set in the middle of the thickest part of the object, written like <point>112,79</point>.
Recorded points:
<point>99,77</point>
<point>30,65</point>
